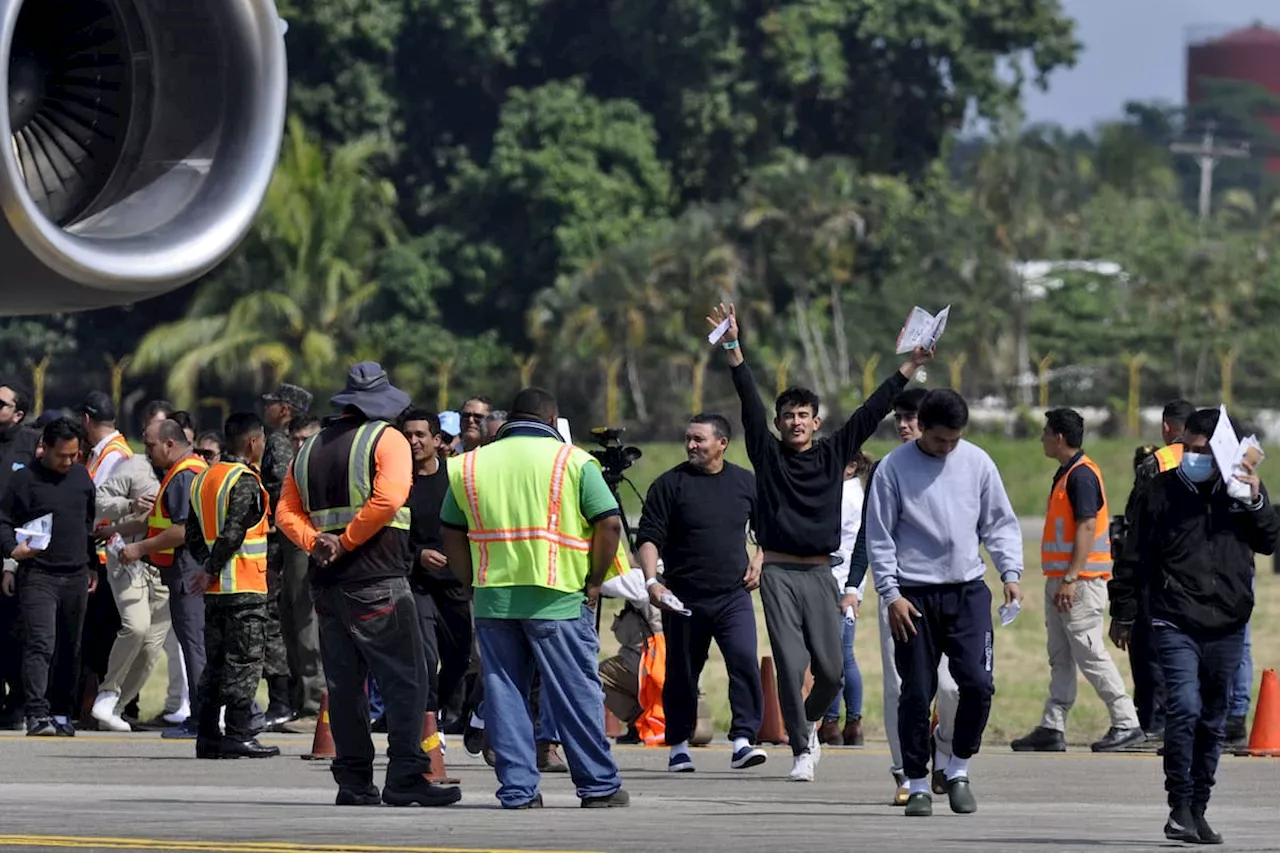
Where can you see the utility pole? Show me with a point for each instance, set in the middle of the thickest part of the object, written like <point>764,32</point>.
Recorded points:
<point>1207,155</point>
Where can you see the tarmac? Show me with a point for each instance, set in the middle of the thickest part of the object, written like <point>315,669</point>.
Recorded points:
<point>138,792</point>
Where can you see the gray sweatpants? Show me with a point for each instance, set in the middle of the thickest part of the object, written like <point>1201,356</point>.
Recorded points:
<point>802,613</point>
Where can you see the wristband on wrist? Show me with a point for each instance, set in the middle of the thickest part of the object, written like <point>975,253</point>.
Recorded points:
<point>650,582</point>
<point>730,345</point>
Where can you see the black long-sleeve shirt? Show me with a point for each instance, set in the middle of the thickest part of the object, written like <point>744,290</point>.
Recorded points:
<point>1190,554</point>
<point>425,500</point>
<point>798,494</point>
<point>698,522</point>
<point>37,490</point>
<point>244,509</point>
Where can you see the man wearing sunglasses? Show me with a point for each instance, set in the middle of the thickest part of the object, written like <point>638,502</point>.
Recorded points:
<point>471,420</point>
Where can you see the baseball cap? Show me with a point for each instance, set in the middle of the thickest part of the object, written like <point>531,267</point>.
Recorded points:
<point>450,424</point>
<point>98,407</point>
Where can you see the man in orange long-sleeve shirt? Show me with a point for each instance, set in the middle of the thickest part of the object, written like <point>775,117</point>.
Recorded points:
<point>343,503</point>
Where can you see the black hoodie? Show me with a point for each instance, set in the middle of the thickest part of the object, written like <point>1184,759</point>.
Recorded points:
<point>17,451</point>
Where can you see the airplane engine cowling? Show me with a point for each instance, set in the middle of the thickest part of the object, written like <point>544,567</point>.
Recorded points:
<point>143,138</point>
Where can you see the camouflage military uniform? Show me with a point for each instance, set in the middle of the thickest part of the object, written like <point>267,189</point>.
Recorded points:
<point>275,465</point>
<point>234,625</point>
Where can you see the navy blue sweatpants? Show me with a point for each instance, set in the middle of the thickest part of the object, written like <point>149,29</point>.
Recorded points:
<point>955,620</point>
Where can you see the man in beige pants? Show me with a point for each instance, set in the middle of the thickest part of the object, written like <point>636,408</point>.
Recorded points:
<point>1076,556</point>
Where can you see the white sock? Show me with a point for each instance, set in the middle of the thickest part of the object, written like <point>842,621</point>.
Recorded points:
<point>62,721</point>
<point>681,748</point>
<point>957,767</point>
<point>740,743</point>
<point>919,786</point>
<point>476,722</point>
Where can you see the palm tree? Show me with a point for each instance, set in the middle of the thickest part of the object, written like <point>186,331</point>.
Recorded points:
<point>287,304</point>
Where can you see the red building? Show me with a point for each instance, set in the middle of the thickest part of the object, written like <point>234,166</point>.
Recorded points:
<point>1250,54</point>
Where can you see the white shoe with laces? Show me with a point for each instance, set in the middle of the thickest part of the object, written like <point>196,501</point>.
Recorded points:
<point>802,768</point>
<point>815,745</point>
<point>104,711</point>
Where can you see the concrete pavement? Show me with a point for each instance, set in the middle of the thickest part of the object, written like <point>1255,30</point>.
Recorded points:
<point>138,792</point>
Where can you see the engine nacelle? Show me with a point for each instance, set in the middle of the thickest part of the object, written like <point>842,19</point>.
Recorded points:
<point>144,136</point>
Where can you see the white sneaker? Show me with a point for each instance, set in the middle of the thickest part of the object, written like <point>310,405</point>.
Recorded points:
<point>104,711</point>
<point>815,745</point>
<point>802,768</point>
<point>179,716</point>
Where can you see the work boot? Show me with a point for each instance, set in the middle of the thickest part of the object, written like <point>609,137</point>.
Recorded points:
<point>619,799</point>
<point>829,733</point>
<point>1181,826</point>
<point>1237,735</point>
<point>232,748</point>
<point>852,734</point>
<point>1204,832</point>
<point>419,792</point>
<point>367,795</point>
<point>549,760</point>
<point>535,803</point>
<point>1041,740</point>
<point>1117,739</point>
<point>920,805</point>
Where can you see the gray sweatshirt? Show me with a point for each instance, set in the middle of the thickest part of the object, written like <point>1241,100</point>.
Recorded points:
<point>926,517</point>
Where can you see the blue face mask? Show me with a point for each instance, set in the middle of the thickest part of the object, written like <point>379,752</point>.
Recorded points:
<point>1198,467</point>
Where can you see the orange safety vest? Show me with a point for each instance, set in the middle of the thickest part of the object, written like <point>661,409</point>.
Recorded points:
<point>652,722</point>
<point>159,521</point>
<point>1169,457</point>
<point>246,571</point>
<point>1058,540</point>
<point>115,444</point>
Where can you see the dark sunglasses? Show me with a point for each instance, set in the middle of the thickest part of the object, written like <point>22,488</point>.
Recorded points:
<point>472,416</point>
<point>208,455</point>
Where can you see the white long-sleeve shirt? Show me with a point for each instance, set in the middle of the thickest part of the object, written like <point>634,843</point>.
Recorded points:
<point>927,517</point>
<point>851,500</point>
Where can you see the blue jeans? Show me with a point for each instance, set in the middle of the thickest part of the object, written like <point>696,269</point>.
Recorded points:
<point>376,709</point>
<point>1197,677</point>
<point>565,653</point>
<point>852,679</point>
<point>1242,683</point>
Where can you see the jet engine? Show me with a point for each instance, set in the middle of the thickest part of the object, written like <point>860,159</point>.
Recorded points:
<point>143,138</point>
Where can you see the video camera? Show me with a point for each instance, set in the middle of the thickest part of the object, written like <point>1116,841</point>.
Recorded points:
<point>615,457</point>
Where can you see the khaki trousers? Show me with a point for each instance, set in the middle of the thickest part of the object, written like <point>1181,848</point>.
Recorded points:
<point>1075,641</point>
<point>143,602</point>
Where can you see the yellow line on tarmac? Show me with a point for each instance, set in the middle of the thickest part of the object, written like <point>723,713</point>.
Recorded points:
<point>160,844</point>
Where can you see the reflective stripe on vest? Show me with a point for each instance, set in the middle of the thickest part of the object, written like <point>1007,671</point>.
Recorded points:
<point>1058,539</point>
<point>521,531</point>
<point>246,571</point>
<point>1169,457</point>
<point>359,481</point>
<point>115,444</point>
<point>159,520</point>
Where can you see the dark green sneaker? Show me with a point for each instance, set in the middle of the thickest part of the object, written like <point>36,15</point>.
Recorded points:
<point>960,794</point>
<point>920,805</point>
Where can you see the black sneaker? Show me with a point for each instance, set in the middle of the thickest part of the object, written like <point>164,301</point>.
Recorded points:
<point>1041,740</point>
<point>367,795</point>
<point>1181,826</point>
<point>473,740</point>
<point>1117,739</point>
<point>420,792</point>
<point>1204,832</point>
<point>41,727</point>
<point>619,799</point>
<point>65,729</point>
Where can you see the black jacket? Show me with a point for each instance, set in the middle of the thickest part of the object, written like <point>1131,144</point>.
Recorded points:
<point>1190,553</point>
<point>17,451</point>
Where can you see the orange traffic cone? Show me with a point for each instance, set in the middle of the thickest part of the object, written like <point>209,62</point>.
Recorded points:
<point>431,746</point>
<point>322,745</point>
<point>771,728</point>
<point>1264,740</point>
<point>612,725</point>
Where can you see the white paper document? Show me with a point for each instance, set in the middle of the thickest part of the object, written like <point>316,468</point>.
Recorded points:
<point>36,533</point>
<point>1230,452</point>
<point>1009,612</point>
<point>669,599</point>
<point>718,332</point>
<point>922,329</point>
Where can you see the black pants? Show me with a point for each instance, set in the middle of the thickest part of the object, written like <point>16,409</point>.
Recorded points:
<point>730,619</point>
<point>955,620</point>
<point>11,700</point>
<point>444,616</point>
<point>53,608</point>
<point>234,640</point>
<point>1148,680</point>
<point>366,629</point>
